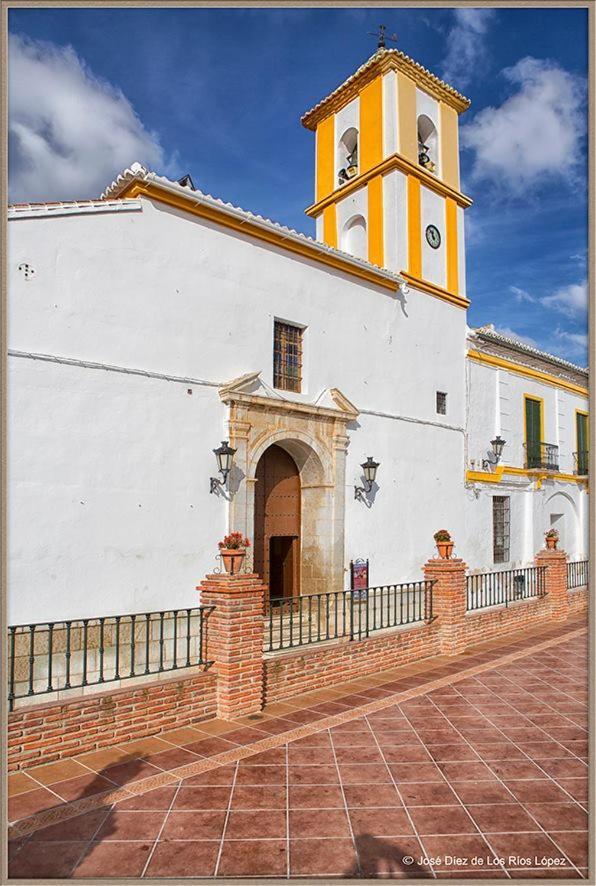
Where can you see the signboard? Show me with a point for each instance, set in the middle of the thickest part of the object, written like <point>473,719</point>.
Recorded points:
<point>359,579</point>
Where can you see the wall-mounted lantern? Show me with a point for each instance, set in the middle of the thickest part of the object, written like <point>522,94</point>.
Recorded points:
<point>225,459</point>
<point>497,445</point>
<point>369,469</point>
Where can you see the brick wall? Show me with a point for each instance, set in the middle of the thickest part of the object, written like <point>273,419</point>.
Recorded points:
<point>308,668</point>
<point>55,730</point>
<point>485,624</point>
<point>578,599</point>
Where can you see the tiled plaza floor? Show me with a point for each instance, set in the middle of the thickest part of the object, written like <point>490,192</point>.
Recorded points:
<point>474,766</point>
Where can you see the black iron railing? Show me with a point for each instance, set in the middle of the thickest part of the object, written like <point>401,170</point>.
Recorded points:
<point>577,573</point>
<point>544,456</point>
<point>581,460</point>
<point>314,618</point>
<point>52,656</point>
<point>504,587</point>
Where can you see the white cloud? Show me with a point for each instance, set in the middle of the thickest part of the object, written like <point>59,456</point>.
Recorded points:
<point>571,300</point>
<point>522,295</point>
<point>536,134</point>
<point>574,345</point>
<point>466,45</point>
<point>70,133</point>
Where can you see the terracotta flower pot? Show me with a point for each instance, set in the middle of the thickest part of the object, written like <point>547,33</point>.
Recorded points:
<point>444,548</point>
<point>551,543</point>
<point>233,558</point>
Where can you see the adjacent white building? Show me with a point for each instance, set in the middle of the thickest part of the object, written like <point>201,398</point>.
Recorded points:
<point>149,325</point>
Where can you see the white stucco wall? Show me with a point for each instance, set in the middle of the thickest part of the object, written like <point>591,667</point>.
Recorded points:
<point>395,221</point>
<point>346,118</point>
<point>390,134</point>
<point>159,292</point>
<point>434,261</point>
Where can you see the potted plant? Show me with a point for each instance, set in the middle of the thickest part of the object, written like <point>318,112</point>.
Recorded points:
<point>444,543</point>
<point>552,537</point>
<point>233,551</point>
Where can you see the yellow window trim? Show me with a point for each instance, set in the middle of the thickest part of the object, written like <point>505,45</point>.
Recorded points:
<point>219,217</point>
<point>491,360</point>
<point>586,415</point>
<point>496,476</point>
<point>393,161</point>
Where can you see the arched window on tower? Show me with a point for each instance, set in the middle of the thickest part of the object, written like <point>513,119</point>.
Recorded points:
<point>428,143</point>
<point>353,237</point>
<point>347,155</point>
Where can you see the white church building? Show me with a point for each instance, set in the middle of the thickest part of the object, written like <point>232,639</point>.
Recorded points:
<point>149,325</point>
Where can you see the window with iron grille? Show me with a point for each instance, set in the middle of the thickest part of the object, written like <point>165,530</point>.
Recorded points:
<point>441,403</point>
<point>287,356</point>
<point>501,526</point>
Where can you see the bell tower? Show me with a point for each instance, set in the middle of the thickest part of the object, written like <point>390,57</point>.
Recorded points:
<point>387,185</point>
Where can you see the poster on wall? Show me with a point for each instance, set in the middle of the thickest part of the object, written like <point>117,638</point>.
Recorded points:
<point>359,579</point>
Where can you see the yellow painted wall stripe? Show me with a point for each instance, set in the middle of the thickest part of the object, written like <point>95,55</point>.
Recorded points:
<point>491,360</point>
<point>414,227</point>
<point>375,221</point>
<point>325,157</point>
<point>407,132</point>
<point>449,145</point>
<point>370,150</point>
<point>330,225</point>
<point>452,250</point>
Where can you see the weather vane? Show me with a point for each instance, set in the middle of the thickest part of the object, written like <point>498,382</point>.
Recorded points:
<point>382,36</point>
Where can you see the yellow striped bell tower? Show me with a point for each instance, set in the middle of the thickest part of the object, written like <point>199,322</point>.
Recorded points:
<point>387,172</point>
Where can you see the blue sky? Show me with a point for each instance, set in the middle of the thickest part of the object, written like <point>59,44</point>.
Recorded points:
<point>219,93</point>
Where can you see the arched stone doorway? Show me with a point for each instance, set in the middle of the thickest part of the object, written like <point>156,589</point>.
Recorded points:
<point>277,526</point>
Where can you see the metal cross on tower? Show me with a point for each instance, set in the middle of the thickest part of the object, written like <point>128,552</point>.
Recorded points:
<point>382,36</point>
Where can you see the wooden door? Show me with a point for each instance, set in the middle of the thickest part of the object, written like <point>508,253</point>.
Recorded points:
<point>277,522</point>
<point>533,432</point>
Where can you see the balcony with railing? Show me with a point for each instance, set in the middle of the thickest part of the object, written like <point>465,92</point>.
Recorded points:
<point>581,460</point>
<point>541,456</point>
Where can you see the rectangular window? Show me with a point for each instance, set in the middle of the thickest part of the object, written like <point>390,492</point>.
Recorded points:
<point>287,357</point>
<point>501,528</point>
<point>533,432</point>
<point>583,447</point>
<point>441,403</point>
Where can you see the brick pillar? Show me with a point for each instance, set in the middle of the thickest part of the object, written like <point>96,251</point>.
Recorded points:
<point>449,601</point>
<point>234,641</point>
<point>555,582</point>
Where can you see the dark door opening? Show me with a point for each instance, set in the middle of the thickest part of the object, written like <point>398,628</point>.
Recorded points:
<point>282,566</point>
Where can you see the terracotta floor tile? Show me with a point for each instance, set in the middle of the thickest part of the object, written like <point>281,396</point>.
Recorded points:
<point>158,799</point>
<point>354,740</point>
<point>144,746</point>
<point>99,760</point>
<point>107,859</point>
<point>558,816</point>
<point>24,805</point>
<point>577,787</point>
<point>193,825</point>
<point>134,770</point>
<point>59,771</point>
<point>574,844</point>
<point>262,774</point>
<point>220,775</point>
<point>441,820</point>
<point>46,860</point>
<point>272,756</point>
<point>539,790</point>
<point>503,818</point>
<point>406,754</point>
<point>317,740</point>
<point>358,755</point>
<point>459,752</point>
<point>172,759</point>
<point>20,783</point>
<point>523,845</point>
<point>202,797</point>
<point>317,775</point>
<point>427,794</point>
<point>183,735</point>
<point>184,859</point>
<point>253,858</point>
<point>333,857</point>
<point>245,735</point>
<point>564,768</point>
<point>208,747</point>
<point>316,797</point>
<point>83,786</point>
<point>124,824</point>
<point>79,829</point>
<point>482,792</point>
<point>366,773</point>
<point>384,857</point>
<point>318,823</point>
<point>278,726</point>
<point>404,772</point>
<point>253,824</point>
<point>259,797</point>
<point>372,795</point>
<point>381,822</point>
<point>215,726</point>
<point>300,756</point>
